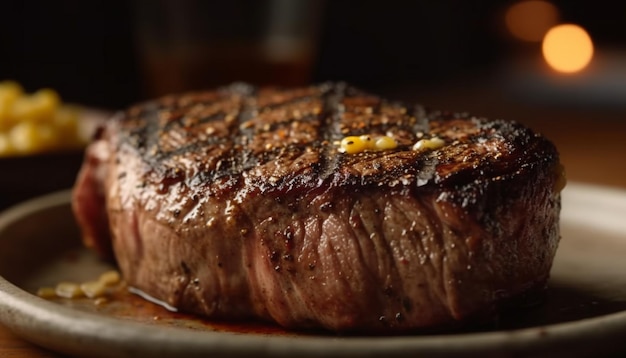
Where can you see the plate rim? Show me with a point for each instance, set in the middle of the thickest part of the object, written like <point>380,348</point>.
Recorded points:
<point>46,323</point>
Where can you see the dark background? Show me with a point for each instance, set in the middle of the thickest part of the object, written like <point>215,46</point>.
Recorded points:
<point>89,51</point>
<point>447,54</point>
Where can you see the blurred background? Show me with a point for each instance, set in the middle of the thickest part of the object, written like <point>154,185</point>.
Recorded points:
<point>502,59</point>
<point>112,53</point>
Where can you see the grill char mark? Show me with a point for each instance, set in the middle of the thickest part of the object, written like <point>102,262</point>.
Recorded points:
<point>329,130</point>
<point>227,155</point>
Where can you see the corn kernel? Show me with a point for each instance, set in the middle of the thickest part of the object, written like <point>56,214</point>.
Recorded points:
<point>28,137</point>
<point>110,278</point>
<point>39,107</point>
<point>68,290</point>
<point>24,109</point>
<point>432,143</point>
<point>6,147</point>
<point>385,143</point>
<point>10,91</point>
<point>93,289</point>
<point>46,292</point>
<point>47,97</point>
<point>6,120</point>
<point>367,141</point>
<point>24,137</point>
<point>353,144</point>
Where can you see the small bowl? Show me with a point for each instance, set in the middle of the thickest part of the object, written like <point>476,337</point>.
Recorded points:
<point>28,176</point>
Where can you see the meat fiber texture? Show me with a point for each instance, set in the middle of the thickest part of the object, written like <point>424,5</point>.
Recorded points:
<point>239,204</point>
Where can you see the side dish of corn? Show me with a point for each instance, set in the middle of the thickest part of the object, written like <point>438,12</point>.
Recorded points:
<point>37,122</point>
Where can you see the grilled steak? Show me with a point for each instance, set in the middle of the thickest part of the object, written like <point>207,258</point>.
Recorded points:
<point>239,203</point>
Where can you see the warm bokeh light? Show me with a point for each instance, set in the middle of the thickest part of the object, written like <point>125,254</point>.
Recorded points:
<point>530,20</point>
<point>567,48</point>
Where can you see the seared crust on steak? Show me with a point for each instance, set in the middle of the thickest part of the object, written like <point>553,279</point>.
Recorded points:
<point>237,203</point>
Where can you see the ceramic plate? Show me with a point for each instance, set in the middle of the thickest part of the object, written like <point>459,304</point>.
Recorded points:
<point>584,311</point>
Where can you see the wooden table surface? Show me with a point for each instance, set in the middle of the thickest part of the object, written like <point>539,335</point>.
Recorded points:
<point>591,141</point>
